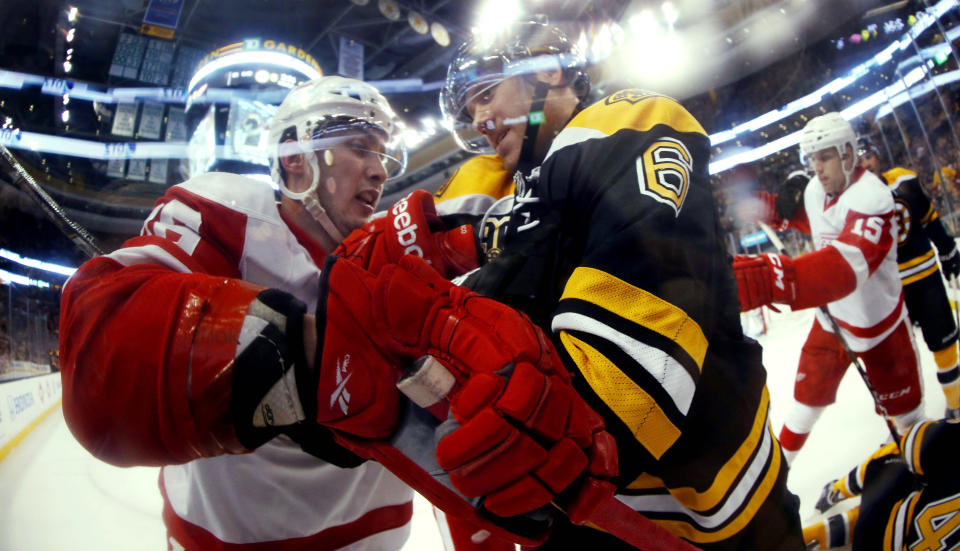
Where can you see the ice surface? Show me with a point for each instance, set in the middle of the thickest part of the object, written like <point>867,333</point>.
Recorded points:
<point>55,495</point>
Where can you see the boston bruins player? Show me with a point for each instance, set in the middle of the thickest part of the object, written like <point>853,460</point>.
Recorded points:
<point>598,222</point>
<point>923,290</point>
<point>909,500</point>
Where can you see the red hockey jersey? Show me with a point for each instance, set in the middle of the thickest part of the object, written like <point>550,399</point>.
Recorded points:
<point>148,336</point>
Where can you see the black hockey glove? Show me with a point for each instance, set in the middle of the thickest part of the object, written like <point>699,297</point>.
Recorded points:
<point>829,496</point>
<point>265,397</point>
<point>790,195</point>
<point>950,264</point>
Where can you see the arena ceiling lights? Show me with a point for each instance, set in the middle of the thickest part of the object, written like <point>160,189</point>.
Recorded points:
<point>894,95</point>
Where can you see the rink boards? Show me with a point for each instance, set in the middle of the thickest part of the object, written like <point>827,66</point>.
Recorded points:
<point>23,404</point>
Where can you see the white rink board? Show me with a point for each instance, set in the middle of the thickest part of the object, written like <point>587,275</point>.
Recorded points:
<point>24,400</point>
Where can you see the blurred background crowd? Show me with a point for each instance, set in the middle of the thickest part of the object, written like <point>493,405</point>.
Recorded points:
<point>88,88</point>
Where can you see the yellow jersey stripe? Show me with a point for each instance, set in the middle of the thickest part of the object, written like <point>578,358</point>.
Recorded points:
<point>482,175</point>
<point>754,488</point>
<point>625,110</point>
<point>727,475</point>
<point>891,522</point>
<point>919,275</point>
<point>630,402</point>
<point>636,110</point>
<point>915,260</point>
<point>639,306</point>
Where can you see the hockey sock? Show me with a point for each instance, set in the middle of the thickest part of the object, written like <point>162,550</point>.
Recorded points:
<point>796,428</point>
<point>948,373</point>
<point>791,443</point>
<point>904,421</point>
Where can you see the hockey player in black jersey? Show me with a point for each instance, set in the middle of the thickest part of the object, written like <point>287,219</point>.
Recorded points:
<point>923,289</point>
<point>909,501</point>
<point>599,223</point>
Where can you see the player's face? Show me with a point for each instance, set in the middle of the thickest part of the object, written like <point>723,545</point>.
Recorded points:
<point>351,179</point>
<point>500,114</point>
<point>870,162</point>
<point>828,165</point>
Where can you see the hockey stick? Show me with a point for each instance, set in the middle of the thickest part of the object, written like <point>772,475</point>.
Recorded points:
<point>427,384</point>
<point>75,232</point>
<point>775,240</point>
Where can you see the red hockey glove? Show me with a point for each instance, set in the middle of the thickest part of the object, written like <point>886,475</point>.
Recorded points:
<point>763,279</point>
<point>525,436</point>
<point>411,226</point>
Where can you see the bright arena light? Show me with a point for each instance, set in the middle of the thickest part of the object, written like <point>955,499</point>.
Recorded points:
<point>246,59</point>
<point>493,16</point>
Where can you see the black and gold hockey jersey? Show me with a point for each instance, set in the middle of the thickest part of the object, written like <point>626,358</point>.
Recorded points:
<point>613,244</point>
<point>919,224</point>
<point>909,501</point>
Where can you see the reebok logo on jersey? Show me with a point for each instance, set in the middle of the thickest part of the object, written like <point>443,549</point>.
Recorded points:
<point>340,394</point>
<point>406,232</point>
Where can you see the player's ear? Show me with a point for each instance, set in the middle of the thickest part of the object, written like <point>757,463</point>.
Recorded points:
<point>553,77</point>
<point>293,164</point>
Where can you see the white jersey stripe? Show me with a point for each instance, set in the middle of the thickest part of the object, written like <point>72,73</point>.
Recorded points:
<point>668,504</point>
<point>674,379</point>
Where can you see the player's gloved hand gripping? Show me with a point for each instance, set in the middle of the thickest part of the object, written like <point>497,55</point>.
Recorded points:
<point>412,226</point>
<point>524,433</point>
<point>763,279</point>
<point>950,264</point>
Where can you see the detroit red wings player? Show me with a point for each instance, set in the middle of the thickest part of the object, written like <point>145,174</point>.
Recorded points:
<point>849,214</point>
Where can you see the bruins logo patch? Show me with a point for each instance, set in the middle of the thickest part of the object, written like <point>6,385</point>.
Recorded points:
<point>664,172</point>
<point>902,212</point>
<point>632,95</point>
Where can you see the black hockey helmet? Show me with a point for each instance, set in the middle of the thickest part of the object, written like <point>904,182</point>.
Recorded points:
<point>519,49</point>
<point>865,147</point>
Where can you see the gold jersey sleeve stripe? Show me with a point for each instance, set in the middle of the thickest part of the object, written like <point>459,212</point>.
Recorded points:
<point>756,501</point>
<point>639,306</point>
<point>630,402</point>
<point>726,476</point>
<point>915,261</point>
<point>920,275</point>
<point>931,215</point>
<point>916,442</point>
<point>891,522</point>
<point>636,110</point>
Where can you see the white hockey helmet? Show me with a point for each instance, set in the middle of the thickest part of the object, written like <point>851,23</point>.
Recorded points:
<point>313,114</point>
<point>824,132</point>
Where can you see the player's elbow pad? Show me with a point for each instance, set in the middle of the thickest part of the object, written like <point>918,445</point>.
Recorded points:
<point>822,277</point>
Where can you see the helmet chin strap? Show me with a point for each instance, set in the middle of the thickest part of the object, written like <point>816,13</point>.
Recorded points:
<point>527,161</point>
<point>309,198</point>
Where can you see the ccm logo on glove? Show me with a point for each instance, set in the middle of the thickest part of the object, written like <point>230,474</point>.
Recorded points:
<point>777,272</point>
<point>406,232</point>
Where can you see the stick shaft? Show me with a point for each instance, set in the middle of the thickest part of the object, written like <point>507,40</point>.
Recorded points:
<point>75,232</point>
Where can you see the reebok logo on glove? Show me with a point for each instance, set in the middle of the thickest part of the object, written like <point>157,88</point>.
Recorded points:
<point>406,232</point>
<point>340,394</point>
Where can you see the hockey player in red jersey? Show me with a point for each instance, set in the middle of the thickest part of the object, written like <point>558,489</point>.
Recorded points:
<point>850,215</point>
<point>215,346</point>
<point>926,298</point>
<point>909,500</point>
<point>598,222</point>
